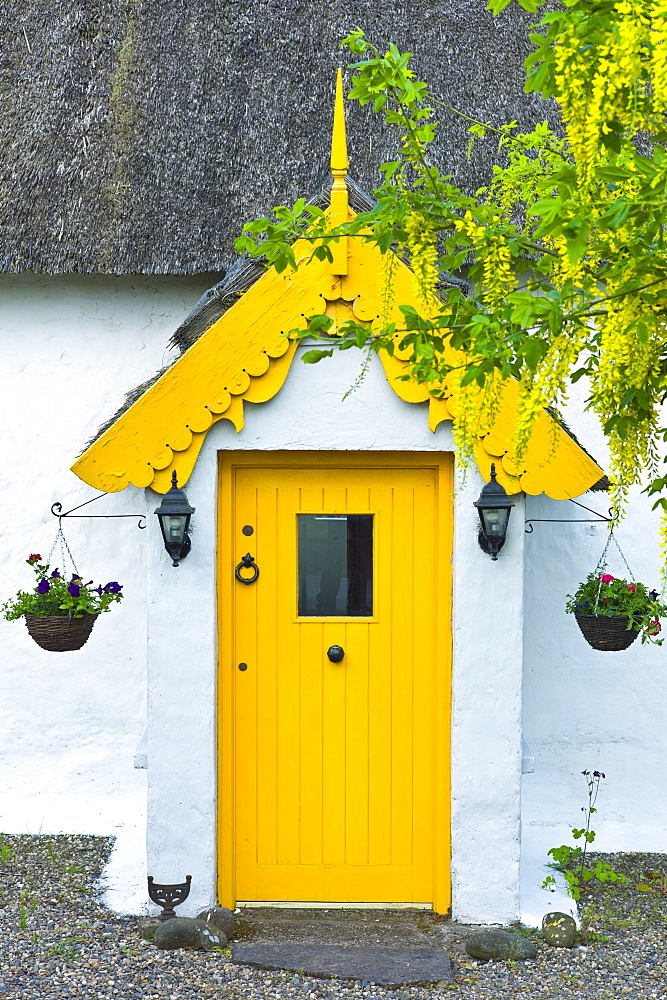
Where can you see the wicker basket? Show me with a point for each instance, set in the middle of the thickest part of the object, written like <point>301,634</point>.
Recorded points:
<point>59,633</point>
<point>602,632</point>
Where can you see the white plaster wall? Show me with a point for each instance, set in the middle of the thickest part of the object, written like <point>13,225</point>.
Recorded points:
<point>585,709</point>
<point>310,414</point>
<point>486,718</point>
<point>70,722</point>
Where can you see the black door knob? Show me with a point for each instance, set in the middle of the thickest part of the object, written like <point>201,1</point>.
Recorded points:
<point>335,653</point>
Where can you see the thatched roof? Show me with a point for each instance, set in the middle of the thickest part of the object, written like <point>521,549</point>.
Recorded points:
<point>139,135</point>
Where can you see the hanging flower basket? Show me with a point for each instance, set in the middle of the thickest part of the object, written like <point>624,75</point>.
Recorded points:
<point>59,633</point>
<point>602,632</point>
<point>60,613</point>
<point>612,612</point>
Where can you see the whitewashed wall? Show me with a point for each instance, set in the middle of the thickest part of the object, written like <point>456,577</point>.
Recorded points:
<point>310,414</point>
<point>70,722</point>
<point>585,709</point>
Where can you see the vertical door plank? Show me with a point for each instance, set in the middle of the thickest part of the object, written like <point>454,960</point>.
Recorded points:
<point>401,534</point>
<point>380,668</point>
<point>245,650</point>
<point>355,665</point>
<point>423,685</point>
<point>289,692</point>
<point>265,666</point>
<point>311,655</point>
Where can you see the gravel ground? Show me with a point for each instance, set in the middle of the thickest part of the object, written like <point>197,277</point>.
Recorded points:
<point>58,940</point>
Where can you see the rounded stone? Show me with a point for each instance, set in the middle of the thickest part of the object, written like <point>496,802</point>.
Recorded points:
<point>148,927</point>
<point>221,918</point>
<point>186,932</point>
<point>559,929</point>
<point>495,944</point>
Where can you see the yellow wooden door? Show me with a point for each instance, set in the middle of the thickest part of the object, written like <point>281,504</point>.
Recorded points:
<point>339,773</point>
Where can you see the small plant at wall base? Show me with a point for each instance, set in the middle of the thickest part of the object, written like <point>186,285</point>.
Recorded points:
<point>622,606</point>
<point>60,613</point>
<point>572,862</point>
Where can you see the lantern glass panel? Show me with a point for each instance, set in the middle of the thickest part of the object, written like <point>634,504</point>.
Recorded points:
<point>175,527</point>
<point>495,521</point>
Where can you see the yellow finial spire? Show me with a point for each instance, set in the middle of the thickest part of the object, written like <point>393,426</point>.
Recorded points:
<point>339,164</point>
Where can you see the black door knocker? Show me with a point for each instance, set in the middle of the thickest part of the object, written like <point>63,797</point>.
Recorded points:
<point>247,563</point>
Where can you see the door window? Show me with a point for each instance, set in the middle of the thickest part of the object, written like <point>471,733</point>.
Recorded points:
<point>335,565</point>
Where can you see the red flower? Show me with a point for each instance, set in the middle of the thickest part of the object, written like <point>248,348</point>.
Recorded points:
<point>607,578</point>
<point>632,588</point>
<point>653,628</point>
<point>35,557</point>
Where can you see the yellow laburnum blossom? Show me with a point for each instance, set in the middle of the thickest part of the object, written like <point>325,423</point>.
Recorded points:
<point>423,260</point>
<point>607,81</point>
<point>387,288</point>
<point>663,547</point>
<point>476,410</point>
<point>492,252</point>
<point>572,71</point>
<point>548,385</point>
<point>627,362</point>
<point>562,269</point>
<point>659,53</point>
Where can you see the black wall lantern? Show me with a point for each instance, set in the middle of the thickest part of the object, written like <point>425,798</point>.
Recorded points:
<point>494,508</point>
<point>174,515</point>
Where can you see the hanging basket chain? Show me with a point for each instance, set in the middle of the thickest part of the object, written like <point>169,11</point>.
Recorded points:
<point>602,562</point>
<point>60,538</point>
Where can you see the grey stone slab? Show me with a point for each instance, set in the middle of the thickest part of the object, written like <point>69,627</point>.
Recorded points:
<point>388,966</point>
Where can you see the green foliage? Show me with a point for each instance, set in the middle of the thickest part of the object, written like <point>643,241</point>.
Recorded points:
<point>53,594</point>
<point>572,861</point>
<point>65,949</point>
<point>606,595</point>
<point>28,901</point>
<point>6,852</point>
<point>272,239</point>
<point>567,240</point>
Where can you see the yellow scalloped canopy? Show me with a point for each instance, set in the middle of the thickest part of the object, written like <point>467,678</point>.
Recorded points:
<point>244,358</point>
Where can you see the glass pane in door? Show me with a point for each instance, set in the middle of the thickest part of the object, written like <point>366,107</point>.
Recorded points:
<point>335,565</point>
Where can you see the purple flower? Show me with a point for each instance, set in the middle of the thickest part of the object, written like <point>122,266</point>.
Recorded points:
<point>98,590</point>
<point>75,576</point>
<point>653,594</point>
<point>113,588</point>
<point>43,587</point>
<point>56,574</point>
<point>74,589</point>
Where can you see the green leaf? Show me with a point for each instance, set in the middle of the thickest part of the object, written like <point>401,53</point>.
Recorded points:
<point>312,357</point>
<point>611,141</point>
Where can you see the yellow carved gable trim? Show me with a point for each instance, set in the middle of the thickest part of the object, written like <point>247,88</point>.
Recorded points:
<point>244,358</point>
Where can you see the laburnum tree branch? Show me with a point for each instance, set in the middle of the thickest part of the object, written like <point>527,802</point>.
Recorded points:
<point>566,240</point>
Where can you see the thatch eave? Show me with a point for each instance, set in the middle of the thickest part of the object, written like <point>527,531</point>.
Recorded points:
<point>137,138</point>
